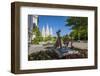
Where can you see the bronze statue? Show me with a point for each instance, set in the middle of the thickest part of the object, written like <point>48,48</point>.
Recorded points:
<point>58,42</point>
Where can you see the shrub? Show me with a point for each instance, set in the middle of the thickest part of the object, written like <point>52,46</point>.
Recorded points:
<point>43,55</point>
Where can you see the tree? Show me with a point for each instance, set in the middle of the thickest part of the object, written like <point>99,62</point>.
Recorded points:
<point>38,37</point>
<point>78,26</point>
<point>65,37</point>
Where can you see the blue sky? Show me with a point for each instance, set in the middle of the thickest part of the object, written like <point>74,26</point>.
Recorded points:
<point>56,22</point>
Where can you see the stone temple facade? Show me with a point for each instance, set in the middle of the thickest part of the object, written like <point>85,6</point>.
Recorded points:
<point>47,31</point>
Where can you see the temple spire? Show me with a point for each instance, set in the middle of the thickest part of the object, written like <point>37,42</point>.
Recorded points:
<point>47,31</point>
<point>51,32</point>
<point>43,32</point>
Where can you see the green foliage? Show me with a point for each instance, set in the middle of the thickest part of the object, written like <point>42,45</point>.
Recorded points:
<point>48,38</point>
<point>36,31</point>
<point>37,40</point>
<point>78,26</point>
<point>43,55</point>
<point>53,39</point>
<point>66,37</point>
<point>38,37</point>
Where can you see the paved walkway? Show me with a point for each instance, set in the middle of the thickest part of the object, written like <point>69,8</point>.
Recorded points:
<point>37,48</point>
<point>81,45</point>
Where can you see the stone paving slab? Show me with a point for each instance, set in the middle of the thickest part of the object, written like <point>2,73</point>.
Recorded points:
<point>37,48</point>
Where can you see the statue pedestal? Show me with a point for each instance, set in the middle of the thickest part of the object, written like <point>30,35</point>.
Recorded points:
<point>62,51</point>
